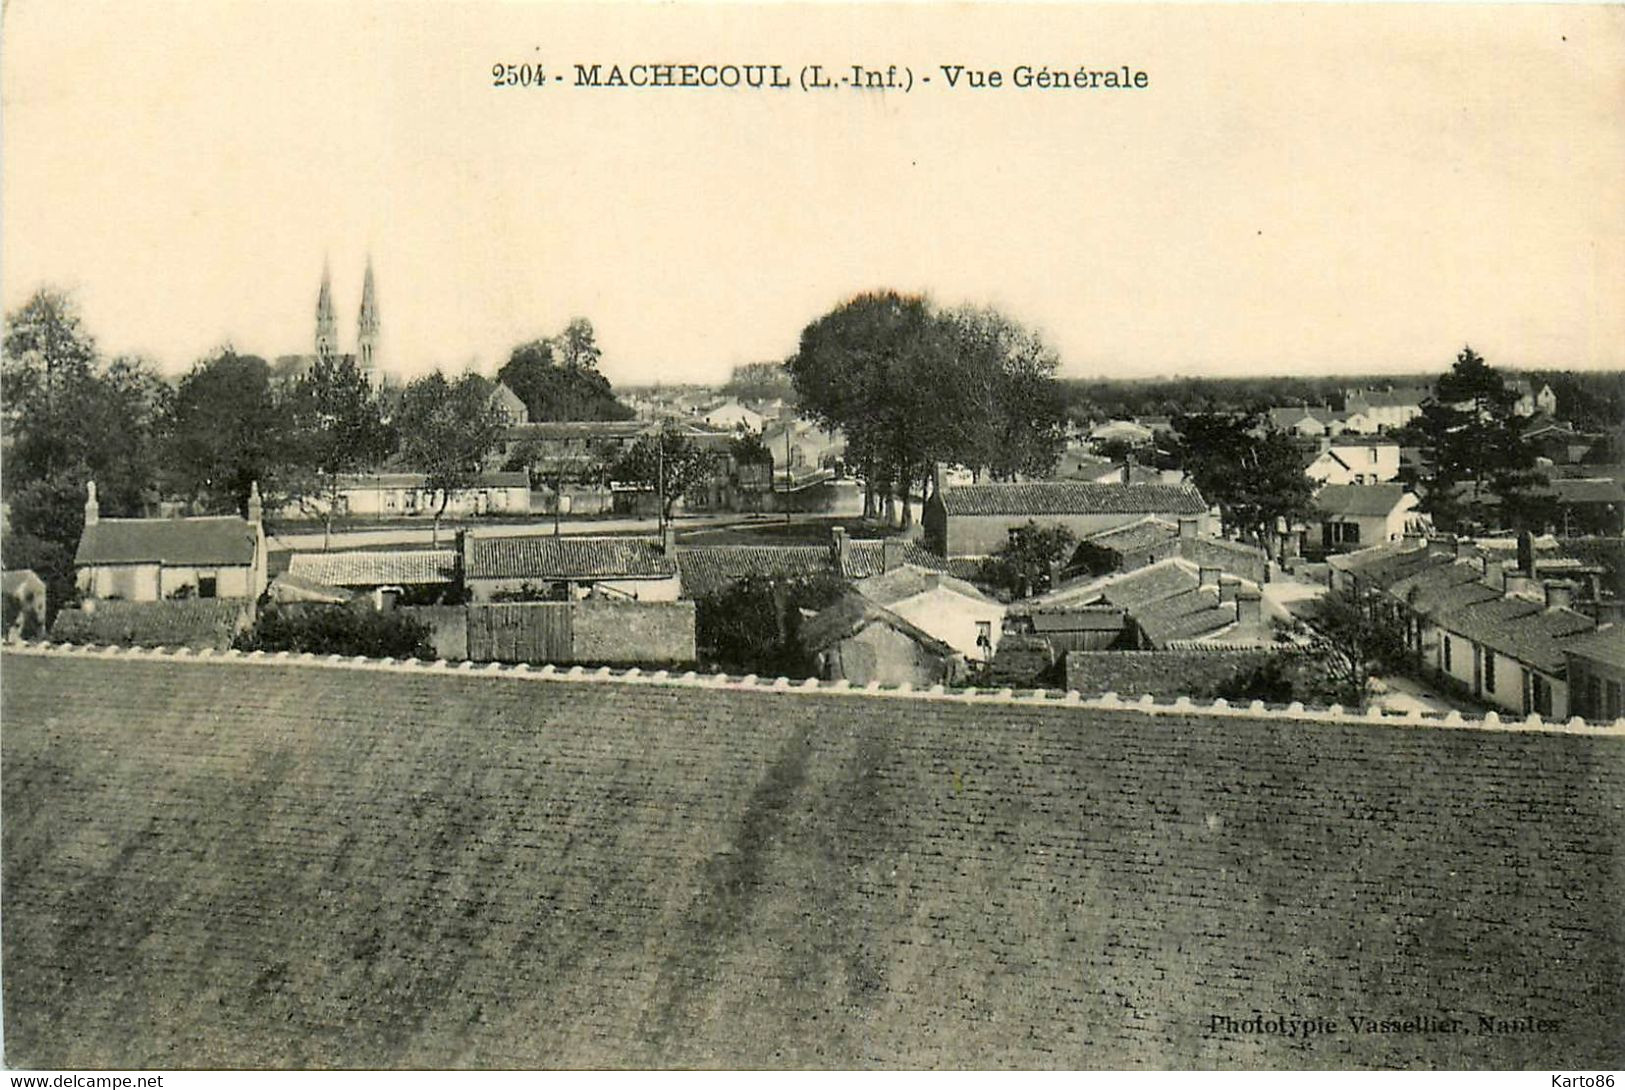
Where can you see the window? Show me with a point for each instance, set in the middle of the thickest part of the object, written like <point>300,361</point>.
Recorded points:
<point>1489,670</point>
<point>1446,643</point>
<point>1541,690</point>
<point>208,586</point>
<point>1612,709</point>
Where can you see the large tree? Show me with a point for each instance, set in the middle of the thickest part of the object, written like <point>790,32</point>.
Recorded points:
<point>448,430</point>
<point>227,430</point>
<point>1255,475</point>
<point>668,464</point>
<point>558,378</point>
<point>910,386</point>
<point>336,428</point>
<point>70,419</point>
<point>1477,467</point>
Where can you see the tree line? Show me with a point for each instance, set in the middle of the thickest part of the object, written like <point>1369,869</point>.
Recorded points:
<point>72,416</point>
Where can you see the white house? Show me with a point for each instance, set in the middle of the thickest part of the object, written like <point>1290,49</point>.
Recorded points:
<point>1385,409</point>
<point>732,416</point>
<point>1344,463</point>
<point>950,609</point>
<point>1351,516</point>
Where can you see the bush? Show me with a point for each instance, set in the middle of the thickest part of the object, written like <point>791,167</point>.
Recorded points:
<point>338,630</point>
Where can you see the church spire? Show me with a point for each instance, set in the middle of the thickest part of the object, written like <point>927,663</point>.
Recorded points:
<point>327,327</point>
<point>366,342</point>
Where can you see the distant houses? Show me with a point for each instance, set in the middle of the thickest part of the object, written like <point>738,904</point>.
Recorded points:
<point>1351,463</point>
<point>391,495</point>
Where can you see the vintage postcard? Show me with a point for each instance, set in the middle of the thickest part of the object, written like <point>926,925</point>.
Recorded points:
<point>812,536</point>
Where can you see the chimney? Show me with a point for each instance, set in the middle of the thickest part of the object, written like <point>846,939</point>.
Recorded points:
<point>93,510</point>
<point>939,478</point>
<point>1518,583</point>
<point>668,540</point>
<point>1128,471</point>
<point>1559,594</point>
<point>1229,586</point>
<point>891,553</point>
<point>1208,577</point>
<point>840,550</point>
<point>256,507</point>
<point>1495,574</point>
<point>1526,553</point>
<point>1466,548</point>
<point>1249,607</point>
<point>1188,527</point>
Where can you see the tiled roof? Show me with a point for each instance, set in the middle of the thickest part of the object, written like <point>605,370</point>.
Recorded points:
<point>1148,532</point>
<point>1519,629</point>
<point>854,612</point>
<point>1404,396</point>
<point>1385,571</point>
<point>1605,645</point>
<point>707,569</point>
<point>1360,559</point>
<point>1184,616</point>
<point>1359,499</point>
<point>177,622</point>
<point>376,568</point>
<point>254,864</point>
<point>1151,583</point>
<point>1588,490</point>
<point>910,580</point>
<point>224,540</point>
<point>289,588</point>
<point>566,557</point>
<point>1039,498</point>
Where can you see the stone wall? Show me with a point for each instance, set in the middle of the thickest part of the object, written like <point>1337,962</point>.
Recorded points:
<point>1159,673</point>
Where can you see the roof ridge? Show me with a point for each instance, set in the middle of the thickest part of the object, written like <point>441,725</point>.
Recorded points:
<point>1147,704</point>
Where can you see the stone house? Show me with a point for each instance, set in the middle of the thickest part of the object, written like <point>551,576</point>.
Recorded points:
<point>1351,516</point>
<point>148,560</point>
<point>976,519</point>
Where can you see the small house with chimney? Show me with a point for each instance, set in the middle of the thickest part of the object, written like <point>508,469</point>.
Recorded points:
<point>149,560</point>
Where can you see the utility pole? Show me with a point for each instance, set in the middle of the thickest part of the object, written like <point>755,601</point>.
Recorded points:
<point>787,473</point>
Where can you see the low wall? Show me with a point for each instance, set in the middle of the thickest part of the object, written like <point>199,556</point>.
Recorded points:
<point>448,628</point>
<point>603,630</point>
<point>1159,673</point>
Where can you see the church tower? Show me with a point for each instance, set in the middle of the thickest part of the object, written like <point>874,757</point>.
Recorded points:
<point>366,341</point>
<point>327,326</point>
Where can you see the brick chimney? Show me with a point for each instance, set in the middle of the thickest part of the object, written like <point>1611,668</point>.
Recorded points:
<point>1515,582</point>
<point>256,507</point>
<point>1208,577</point>
<point>891,553</point>
<point>93,510</point>
<point>1189,527</point>
<point>1559,594</point>
<point>1229,587</point>
<point>840,549</point>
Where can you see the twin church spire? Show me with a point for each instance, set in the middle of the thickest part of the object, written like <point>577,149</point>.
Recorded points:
<point>367,323</point>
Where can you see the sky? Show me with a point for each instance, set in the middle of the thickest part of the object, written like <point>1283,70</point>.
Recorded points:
<point>1299,190</point>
